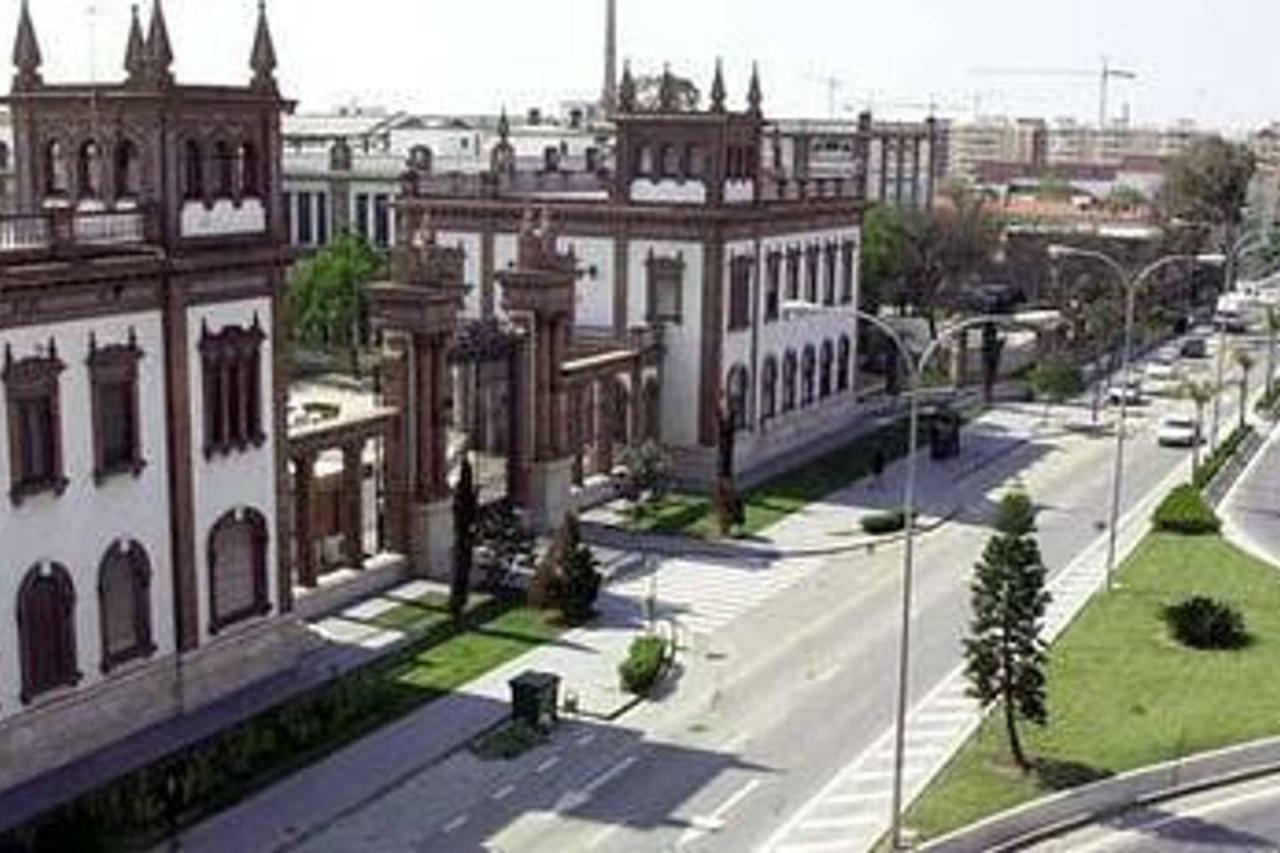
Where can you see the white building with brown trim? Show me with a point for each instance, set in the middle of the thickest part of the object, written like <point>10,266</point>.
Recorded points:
<point>141,400</point>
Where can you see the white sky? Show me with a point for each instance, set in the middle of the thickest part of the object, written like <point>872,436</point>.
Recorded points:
<point>1209,60</point>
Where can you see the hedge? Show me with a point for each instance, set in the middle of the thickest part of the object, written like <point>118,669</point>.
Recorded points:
<point>884,523</point>
<point>644,662</point>
<point>1186,511</point>
<point>1214,463</point>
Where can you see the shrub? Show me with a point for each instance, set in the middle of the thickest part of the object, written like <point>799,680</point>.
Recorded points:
<point>1220,457</point>
<point>644,662</point>
<point>1204,623</point>
<point>567,578</point>
<point>884,523</point>
<point>646,468</point>
<point>1185,511</point>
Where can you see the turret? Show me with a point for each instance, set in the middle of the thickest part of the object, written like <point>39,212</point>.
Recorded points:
<point>263,60</point>
<point>26,53</point>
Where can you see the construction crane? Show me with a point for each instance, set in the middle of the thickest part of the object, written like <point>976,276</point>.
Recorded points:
<point>1107,74</point>
<point>930,107</point>
<point>833,86</point>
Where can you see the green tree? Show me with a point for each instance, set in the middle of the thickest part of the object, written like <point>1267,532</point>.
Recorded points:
<point>1208,185</point>
<point>649,93</point>
<point>1125,198</point>
<point>1246,362</point>
<point>466,505</point>
<point>1004,653</point>
<point>580,577</point>
<point>1054,187</point>
<point>1200,393</point>
<point>327,294</point>
<point>881,263</point>
<point>1273,331</point>
<point>942,248</point>
<point>1057,380</point>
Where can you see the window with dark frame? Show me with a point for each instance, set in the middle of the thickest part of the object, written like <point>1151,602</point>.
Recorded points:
<point>847,262</point>
<point>231,362</point>
<point>808,367</point>
<point>740,292</point>
<point>286,202</point>
<point>793,273</point>
<point>381,220</point>
<point>843,356</point>
<point>362,215</point>
<point>322,219</point>
<point>824,370</point>
<point>789,381</point>
<point>124,605</point>
<point>34,420</point>
<point>113,384</point>
<point>829,279</point>
<point>237,569</point>
<point>666,287</point>
<point>812,254</point>
<point>773,286</point>
<point>306,234</point>
<point>769,390</point>
<point>46,631</point>
<point>192,171</point>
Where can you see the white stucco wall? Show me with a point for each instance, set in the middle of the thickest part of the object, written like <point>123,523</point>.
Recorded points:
<point>242,479</point>
<point>77,528</point>
<point>225,217</point>
<point>470,245</point>
<point>593,292</point>
<point>680,378</point>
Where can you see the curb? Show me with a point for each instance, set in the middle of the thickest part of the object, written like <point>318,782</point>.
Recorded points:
<point>1061,813</point>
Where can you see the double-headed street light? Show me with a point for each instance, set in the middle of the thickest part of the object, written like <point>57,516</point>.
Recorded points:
<point>1130,284</point>
<point>915,367</point>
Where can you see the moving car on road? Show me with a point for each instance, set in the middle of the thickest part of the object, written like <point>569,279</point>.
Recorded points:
<point>1178,431</point>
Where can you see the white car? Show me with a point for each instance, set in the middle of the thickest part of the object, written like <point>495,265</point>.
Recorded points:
<point>1178,431</point>
<point>1131,395</point>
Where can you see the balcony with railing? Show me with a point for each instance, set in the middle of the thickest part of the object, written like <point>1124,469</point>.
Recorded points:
<point>65,230</point>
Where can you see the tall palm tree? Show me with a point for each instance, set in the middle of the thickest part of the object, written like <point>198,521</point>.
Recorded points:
<point>1200,393</point>
<point>1245,361</point>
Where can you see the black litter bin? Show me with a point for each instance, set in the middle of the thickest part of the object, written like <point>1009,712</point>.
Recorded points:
<point>535,696</point>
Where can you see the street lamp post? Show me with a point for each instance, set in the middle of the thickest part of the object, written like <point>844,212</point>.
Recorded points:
<point>1231,266</point>
<point>1130,284</point>
<point>915,367</point>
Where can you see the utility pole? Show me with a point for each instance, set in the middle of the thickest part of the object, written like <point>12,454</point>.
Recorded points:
<point>609,95</point>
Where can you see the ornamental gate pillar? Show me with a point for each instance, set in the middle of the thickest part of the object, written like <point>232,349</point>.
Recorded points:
<point>538,296</point>
<point>417,311</point>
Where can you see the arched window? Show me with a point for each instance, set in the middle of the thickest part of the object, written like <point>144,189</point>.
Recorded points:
<point>237,569</point>
<point>644,161</point>
<point>808,366</point>
<point>55,170</point>
<point>47,631</point>
<point>693,161</point>
<point>824,370</point>
<point>421,158</point>
<point>738,390</point>
<point>250,171</point>
<point>224,173</point>
<point>126,169</point>
<point>789,381</point>
<point>769,390</point>
<point>88,171</point>
<point>671,167</point>
<point>192,171</point>
<point>124,604</point>
<point>844,353</point>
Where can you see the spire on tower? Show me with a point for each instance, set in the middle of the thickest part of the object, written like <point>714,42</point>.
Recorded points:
<point>667,99</point>
<point>159,50</point>
<point>135,54</point>
<point>263,59</point>
<point>717,89</point>
<point>627,90</point>
<point>26,52</point>
<point>754,96</point>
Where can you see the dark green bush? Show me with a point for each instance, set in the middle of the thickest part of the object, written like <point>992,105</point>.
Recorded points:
<point>1204,623</point>
<point>644,662</point>
<point>1185,511</point>
<point>1216,460</point>
<point>884,523</point>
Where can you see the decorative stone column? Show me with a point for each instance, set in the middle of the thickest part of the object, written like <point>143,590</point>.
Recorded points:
<point>303,480</point>
<point>353,503</point>
<point>603,461</point>
<point>421,305</point>
<point>538,294</point>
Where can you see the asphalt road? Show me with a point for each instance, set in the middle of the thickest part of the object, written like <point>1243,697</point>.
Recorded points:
<point>1245,817</point>
<point>775,704</point>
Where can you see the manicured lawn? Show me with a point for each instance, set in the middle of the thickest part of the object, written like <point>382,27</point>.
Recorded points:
<point>424,614</point>
<point>694,515</point>
<point>1123,694</point>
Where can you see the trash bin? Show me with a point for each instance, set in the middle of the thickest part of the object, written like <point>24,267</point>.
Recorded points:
<point>534,699</point>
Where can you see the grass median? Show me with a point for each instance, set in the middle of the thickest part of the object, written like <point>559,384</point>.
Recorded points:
<point>1123,694</point>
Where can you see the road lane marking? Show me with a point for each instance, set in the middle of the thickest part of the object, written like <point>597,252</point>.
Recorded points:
<point>576,799</point>
<point>455,824</point>
<point>585,740</point>
<point>715,821</point>
<point>503,792</point>
<point>548,764</point>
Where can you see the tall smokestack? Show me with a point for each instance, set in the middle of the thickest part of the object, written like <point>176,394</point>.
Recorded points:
<point>609,96</point>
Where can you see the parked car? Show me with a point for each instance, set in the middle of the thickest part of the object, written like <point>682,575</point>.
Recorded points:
<point>1194,348</point>
<point>1231,322</point>
<point>1131,394</point>
<point>1178,431</point>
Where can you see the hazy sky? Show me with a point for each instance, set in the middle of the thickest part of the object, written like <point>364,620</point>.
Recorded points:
<point>1209,60</point>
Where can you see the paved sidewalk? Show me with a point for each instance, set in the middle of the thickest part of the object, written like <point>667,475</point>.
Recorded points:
<point>1251,509</point>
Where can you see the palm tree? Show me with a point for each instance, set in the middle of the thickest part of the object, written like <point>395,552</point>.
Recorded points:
<point>1245,361</point>
<point>1200,393</point>
<point>1273,331</point>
